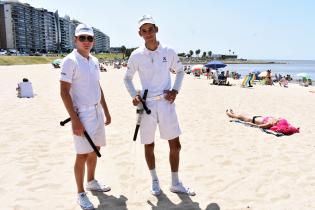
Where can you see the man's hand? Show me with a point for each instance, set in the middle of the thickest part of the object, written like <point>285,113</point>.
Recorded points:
<point>171,95</point>
<point>136,100</point>
<point>108,119</point>
<point>77,127</point>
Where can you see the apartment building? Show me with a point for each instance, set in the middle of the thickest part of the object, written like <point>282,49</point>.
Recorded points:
<point>29,29</point>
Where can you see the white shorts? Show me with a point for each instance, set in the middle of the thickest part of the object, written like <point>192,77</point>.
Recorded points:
<point>93,122</point>
<point>163,113</point>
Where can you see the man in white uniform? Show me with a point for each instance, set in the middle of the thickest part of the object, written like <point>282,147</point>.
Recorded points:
<point>83,98</point>
<point>154,62</point>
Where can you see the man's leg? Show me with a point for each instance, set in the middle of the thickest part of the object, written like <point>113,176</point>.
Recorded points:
<point>91,165</point>
<point>175,147</point>
<point>177,186</point>
<point>150,159</point>
<point>79,167</point>
<point>149,155</point>
<point>92,183</point>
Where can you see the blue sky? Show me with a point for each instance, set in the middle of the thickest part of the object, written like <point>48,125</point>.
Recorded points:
<point>261,29</point>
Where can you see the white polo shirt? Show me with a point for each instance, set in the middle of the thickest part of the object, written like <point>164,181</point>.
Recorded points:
<point>83,74</point>
<point>154,69</point>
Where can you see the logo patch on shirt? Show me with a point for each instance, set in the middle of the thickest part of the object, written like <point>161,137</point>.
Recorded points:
<point>164,60</point>
<point>62,73</point>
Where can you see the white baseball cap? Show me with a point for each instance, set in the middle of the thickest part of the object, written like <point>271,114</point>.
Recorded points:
<point>145,19</point>
<point>83,29</point>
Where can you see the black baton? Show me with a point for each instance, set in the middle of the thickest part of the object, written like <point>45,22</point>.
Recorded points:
<point>147,110</point>
<point>87,136</point>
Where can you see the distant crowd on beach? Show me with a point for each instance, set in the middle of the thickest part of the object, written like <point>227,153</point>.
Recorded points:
<point>264,78</point>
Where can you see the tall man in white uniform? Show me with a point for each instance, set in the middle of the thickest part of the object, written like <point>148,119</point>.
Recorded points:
<point>83,98</point>
<point>154,62</point>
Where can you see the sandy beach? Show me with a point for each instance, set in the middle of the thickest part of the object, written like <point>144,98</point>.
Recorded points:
<point>230,166</point>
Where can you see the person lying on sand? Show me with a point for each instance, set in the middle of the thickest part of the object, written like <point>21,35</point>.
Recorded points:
<point>280,125</point>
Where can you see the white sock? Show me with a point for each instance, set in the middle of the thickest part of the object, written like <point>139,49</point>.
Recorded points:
<point>175,179</point>
<point>154,175</point>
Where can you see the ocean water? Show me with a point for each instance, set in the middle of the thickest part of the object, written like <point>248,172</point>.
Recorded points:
<point>292,67</point>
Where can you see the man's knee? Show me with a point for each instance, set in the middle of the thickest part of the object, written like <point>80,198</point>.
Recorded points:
<point>149,147</point>
<point>175,145</point>
<point>81,157</point>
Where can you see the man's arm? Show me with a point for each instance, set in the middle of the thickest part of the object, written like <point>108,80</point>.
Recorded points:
<point>131,70</point>
<point>105,108</point>
<point>77,127</point>
<point>177,65</point>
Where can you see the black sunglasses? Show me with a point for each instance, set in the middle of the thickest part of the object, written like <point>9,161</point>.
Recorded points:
<point>84,38</point>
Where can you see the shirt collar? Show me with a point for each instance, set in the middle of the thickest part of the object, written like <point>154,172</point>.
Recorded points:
<point>147,51</point>
<point>79,56</point>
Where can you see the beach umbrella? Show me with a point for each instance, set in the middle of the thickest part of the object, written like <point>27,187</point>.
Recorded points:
<point>197,67</point>
<point>215,64</point>
<point>302,74</point>
<point>263,74</point>
<point>56,63</point>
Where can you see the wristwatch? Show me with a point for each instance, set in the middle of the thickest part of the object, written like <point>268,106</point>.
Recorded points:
<point>175,91</point>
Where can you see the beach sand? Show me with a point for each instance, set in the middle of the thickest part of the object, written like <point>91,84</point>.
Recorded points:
<point>230,166</point>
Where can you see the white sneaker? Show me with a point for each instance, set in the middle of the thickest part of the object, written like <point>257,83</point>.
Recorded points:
<point>84,201</point>
<point>155,190</point>
<point>179,188</point>
<point>94,185</point>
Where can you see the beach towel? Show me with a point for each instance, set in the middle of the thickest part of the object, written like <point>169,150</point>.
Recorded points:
<point>283,126</point>
<point>268,131</point>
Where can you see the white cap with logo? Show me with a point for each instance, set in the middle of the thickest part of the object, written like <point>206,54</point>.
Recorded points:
<point>145,19</point>
<point>84,29</point>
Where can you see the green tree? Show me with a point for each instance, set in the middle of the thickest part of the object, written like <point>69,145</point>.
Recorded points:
<point>123,50</point>
<point>204,54</point>
<point>191,53</point>
<point>210,53</point>
<point>129,51</point>
<point>198,52</point>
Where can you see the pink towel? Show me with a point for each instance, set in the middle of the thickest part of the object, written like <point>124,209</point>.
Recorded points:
<point>283,126</point>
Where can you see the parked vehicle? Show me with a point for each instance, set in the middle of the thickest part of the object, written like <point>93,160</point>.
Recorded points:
<point>3,52</point>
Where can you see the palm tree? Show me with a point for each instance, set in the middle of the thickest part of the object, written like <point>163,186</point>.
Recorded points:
<point>191,53</point>
<point>197,52</point>
<point>204,54</point>
<point>209,53</point>
<point>229,51</point>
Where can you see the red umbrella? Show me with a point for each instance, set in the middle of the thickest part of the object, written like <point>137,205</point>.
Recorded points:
<point>197,67</point>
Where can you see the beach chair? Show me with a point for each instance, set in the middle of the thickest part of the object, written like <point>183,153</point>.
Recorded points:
<point>248,80</point>
<point>244,81</point>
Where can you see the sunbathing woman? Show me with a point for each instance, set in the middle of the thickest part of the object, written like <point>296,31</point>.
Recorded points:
<point>280,125</point>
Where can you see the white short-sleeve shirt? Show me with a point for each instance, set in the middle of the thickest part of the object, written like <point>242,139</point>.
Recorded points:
<point>154,68</point>
<point>83,74</point>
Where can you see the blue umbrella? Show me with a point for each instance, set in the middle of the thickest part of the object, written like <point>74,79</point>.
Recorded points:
<point>215,64</point>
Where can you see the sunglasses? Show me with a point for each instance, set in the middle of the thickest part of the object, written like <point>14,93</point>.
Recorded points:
<point>84,38</point>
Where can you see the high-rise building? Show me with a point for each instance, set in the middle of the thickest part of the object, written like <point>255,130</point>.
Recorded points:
<point>101,41</point>
<point>25,28</point>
